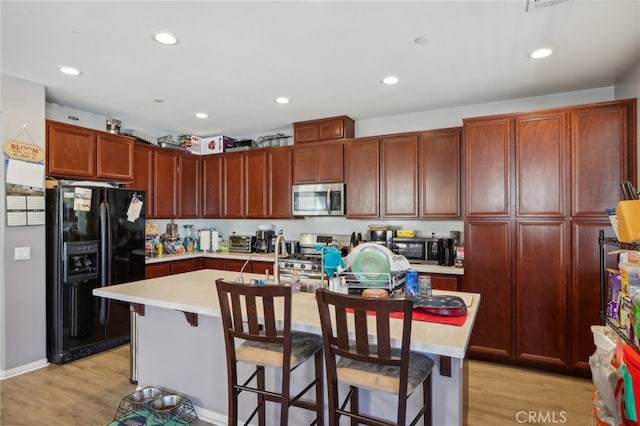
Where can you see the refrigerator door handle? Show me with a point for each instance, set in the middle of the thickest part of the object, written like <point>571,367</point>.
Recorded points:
<point>104,258</point>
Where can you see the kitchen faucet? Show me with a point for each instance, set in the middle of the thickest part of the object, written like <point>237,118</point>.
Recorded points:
<point>280,250</point>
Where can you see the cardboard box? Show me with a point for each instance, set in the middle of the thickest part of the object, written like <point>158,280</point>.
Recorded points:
<point>190,142</point>
<point>215,144</point>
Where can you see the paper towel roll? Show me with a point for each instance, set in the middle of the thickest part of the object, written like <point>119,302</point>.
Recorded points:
<point>215,241</point>
<point>205,240</point>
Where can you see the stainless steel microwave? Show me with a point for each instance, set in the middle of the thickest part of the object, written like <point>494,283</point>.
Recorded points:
<point>322,199</point>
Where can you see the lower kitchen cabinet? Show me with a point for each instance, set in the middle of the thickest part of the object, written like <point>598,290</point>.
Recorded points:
<point>213,263</point>
<point>162,269</point>
<point>445,282</point>
<point>254,266</point>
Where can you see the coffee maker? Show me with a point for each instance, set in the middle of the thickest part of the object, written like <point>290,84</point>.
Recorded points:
<point>263,241</point>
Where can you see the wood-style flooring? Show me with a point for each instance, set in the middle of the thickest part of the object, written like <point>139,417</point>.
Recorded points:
<point>87,392</point>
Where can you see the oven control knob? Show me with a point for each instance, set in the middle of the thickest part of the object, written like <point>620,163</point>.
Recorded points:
<point>313,267</point>
<point>302,266</point>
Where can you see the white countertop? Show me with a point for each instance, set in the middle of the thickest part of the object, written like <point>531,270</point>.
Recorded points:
<point>195,292</point>
<point>269,257</point>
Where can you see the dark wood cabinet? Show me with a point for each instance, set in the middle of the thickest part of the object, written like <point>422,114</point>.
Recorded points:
<point>487,153</point>
<point>542,271</point>
<point>399,176</point>
<point>186,265</point>
<point>255,184</point>
<point>340,127</point>
<point>548,176</point>
<point>487,270</point>
<point>78,152</point>
<point>114,157</point>
<point>362,178</point>
<point>143,173</point>
<point>165,183</point>
<point>440,173</point>
<point>603,154</point>
<point>188,186</point>
<point>542,158</point>
<point>233,186</point>
<point>279,182</point>
<point>213,263</point>
<point>445,281</point>
<point>236,265</point>
<point>212,181</point>
<point>318,162</point>
<point>155,270</point>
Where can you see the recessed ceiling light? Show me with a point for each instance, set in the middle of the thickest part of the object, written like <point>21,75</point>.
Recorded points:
<point>283,100</point>
<point>69,70</point>
<point>202,115</point>
<point>540,53</point>
<point>391,79</point>
<point>165,38</point>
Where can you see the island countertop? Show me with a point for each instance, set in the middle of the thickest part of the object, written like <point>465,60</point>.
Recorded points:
<point>195,293</point>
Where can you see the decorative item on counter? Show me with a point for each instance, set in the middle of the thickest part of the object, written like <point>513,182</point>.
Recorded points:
<point>188,238</point>
<point>424,286</point>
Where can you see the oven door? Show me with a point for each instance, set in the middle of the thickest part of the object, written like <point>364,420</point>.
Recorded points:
<point>318,199</point>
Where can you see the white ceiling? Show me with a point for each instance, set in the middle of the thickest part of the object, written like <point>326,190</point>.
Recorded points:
<point>234,58</point>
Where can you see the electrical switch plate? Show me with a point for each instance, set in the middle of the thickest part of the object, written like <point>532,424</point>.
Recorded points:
<point>22,253</point>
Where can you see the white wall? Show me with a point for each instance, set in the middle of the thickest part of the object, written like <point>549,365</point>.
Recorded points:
<point>23,334</point>
<point>629,87</point>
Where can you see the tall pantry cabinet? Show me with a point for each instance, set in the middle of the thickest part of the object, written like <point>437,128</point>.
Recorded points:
<point>536,187</point>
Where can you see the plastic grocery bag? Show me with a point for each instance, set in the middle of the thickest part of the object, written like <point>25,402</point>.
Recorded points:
<point>605,377</point>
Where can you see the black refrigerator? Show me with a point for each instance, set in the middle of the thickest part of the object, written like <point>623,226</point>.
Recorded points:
<point>95,238</point>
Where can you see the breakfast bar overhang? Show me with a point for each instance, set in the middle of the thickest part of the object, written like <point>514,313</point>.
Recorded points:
<point>180,346</point>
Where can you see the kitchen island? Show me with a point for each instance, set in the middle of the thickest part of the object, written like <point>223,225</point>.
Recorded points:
<point>181,346</point>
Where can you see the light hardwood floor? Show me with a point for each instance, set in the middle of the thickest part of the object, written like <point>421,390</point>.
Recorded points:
<point>87,392</point>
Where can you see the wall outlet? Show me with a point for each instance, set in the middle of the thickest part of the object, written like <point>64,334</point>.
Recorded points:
<point>22,253</point>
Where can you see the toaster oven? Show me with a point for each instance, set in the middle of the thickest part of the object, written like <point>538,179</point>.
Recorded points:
<point>242,243</point>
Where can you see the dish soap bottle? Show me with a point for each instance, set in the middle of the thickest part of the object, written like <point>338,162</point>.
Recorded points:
<point>295,281</point>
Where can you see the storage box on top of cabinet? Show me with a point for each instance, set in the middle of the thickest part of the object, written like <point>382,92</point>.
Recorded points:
<point>340,127</point>
<point>75,117</point>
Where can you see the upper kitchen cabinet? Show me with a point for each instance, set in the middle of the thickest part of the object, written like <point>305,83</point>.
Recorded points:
<point>440,173</point>
<point>279,178</point>
<point>255,184</point>
<point>188,186</point>
<point>398,176</point>
<point>212,172</point>
<point>318,162</point>
<point>487,153</point>
<point>78,152</point>
<point>341,127</point>
<point>233,186</point>
<point>542,164</point>
<point>362,177</point>
<point>143,175</point>
<point>165,183</point>
<point>603,153</point>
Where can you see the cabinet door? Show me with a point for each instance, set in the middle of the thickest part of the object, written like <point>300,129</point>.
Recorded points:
<point>143,176</point>
<point>542,269</point>
<point>444,282</point>
<point>212,186</point>
<point>165,181</point>
<point>258,267</point>
<point>331,129</point>
<point>331,162</point>
<point>542,164</point>
<point>584,292</point>
<point>236,265</point>
<point>601,154</point>
<point>305,164</point>
<point>399,176</point>
<point>305,132</point>
<point>114,157</point>
<point>487,166</point>
<point>255,190</point>
<point>362,178</point>
<point>279,190</point>
<point>213,263</point>
<point>488,272</point>
<point>156,270</point>
<point>188,186</point>
<point>71,150</point>
<point>440,174</point>
<point>233,186</point>
<point>186,265</point>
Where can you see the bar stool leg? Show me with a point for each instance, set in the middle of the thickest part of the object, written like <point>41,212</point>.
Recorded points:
<point>426,399</point>
<point>355,403</point>
<point>233,396</point>
<point>261,400</point>
<point>319,389</point>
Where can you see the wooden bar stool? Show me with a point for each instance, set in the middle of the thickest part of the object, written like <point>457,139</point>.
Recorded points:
<point>377,366</point>
<point>252,313</point>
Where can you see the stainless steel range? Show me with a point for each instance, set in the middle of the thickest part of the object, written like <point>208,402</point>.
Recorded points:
<point>308,263</point>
